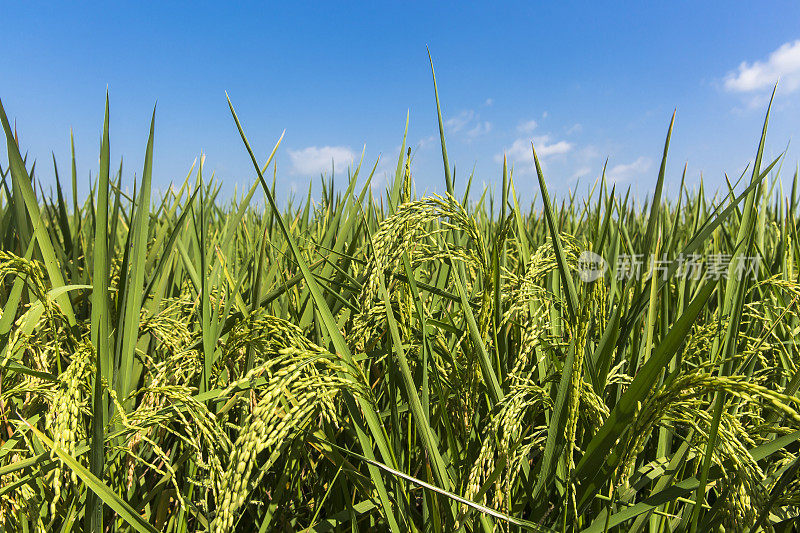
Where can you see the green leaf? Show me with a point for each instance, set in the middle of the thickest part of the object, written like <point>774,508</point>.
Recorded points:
<point>332,329</point>
<point>94,507</point>
<point>22,183</point>
<point>447,176</point>
<point>125,511</point>
<point>592,471</point>
<point>563,269</point>
<point>140,230</point>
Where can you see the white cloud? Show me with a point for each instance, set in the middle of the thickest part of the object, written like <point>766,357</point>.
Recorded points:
<point>527,126</point>
<point>589,152</point>
<point>469,123</point>
<point>576,128</point>
<point>480,129</point>
<point>581,173</point>
<point>783,63</point>
<point>627,171</point>
<point>545,148</point>
<point>520,151</point>
<point>318,159</point>
<point>460,121</point>
<point>426,141</point>
<point>489,101</point>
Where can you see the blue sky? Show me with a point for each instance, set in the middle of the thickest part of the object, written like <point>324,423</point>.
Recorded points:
<point>582,81</point>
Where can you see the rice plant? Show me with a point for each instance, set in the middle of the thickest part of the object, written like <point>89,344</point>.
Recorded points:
<point>376,361</point>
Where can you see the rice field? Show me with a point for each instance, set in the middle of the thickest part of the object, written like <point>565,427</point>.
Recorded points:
<point>371,360</point>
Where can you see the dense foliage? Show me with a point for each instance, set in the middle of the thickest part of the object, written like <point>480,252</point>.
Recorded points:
<point>396,363</point>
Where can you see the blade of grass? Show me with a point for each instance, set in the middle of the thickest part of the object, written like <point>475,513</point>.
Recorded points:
<point>336,337</point>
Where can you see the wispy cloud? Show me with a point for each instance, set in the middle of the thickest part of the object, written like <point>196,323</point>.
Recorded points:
<point>527,126</point>
<point>318,159</point>
<point>469,123</point>
<point>546,148</point>
<point>460,121</point>
<point>760,76</point>
<point>426,141</point>
<point>480,128</point>
<point>626,171</point>
<point>575,128</point>
<point>520,151</point>
<point>488,102</point>
<point>582,172</point>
